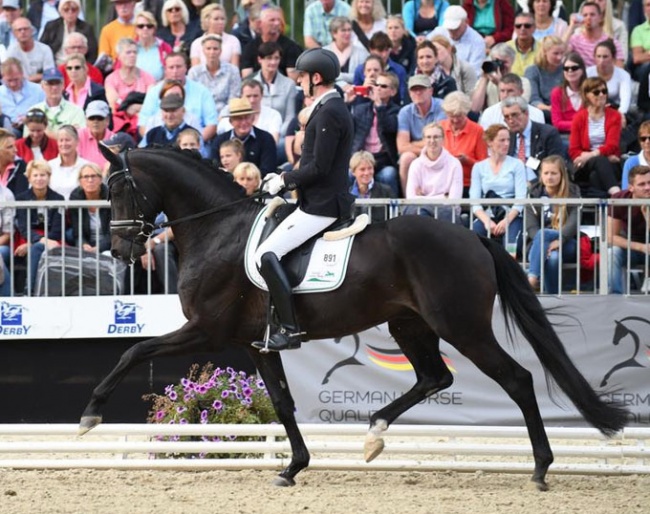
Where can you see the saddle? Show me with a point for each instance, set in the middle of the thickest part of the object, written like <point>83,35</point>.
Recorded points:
<point>296,261</point>
<point>331,248</point>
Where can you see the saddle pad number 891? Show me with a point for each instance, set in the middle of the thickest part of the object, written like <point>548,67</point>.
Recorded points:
<point>327,264</point>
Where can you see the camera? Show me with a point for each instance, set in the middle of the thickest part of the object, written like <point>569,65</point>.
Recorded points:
<point>362,90</point>
<point>492,66</point>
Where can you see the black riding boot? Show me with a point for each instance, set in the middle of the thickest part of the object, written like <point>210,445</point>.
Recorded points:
<point>287,336</point>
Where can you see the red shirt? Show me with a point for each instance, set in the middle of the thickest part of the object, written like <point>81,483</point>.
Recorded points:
<point>468,141</point>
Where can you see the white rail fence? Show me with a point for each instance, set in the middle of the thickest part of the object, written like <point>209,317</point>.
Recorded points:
<point>333,447</point>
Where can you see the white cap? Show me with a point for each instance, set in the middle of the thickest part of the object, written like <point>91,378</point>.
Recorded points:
<point>454,16</point>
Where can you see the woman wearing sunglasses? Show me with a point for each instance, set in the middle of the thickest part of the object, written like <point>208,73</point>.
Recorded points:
<point>594,142</point>
<point>566,99</point>
<point>151,49</point>
<point>176,31</point>
<point>81,90</point>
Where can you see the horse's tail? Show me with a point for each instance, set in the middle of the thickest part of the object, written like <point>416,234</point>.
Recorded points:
<point>521,305</point>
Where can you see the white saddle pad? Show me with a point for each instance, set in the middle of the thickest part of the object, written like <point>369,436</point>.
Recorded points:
<point>327,264</point>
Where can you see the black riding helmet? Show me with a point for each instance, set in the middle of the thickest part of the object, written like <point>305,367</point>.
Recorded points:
<point>318,60</point>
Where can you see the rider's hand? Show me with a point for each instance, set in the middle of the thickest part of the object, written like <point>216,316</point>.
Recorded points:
<point>273,183</point>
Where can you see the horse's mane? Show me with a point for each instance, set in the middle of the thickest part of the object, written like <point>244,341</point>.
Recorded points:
<point>193,162</point>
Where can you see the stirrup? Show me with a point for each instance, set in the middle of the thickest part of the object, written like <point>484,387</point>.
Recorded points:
<point>280,340</point>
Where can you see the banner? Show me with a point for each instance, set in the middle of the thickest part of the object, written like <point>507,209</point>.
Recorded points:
<point>89,317</point>
<point>607,337</point>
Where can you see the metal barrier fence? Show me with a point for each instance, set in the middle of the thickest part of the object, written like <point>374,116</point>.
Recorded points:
<point>71,271</point>
<point>408,448</point>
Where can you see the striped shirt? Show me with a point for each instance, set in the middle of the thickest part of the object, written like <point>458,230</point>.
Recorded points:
<point>597,132</point>
<point>585,47</point>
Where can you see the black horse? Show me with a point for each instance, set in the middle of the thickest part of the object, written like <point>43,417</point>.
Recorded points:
<point>427,279</point>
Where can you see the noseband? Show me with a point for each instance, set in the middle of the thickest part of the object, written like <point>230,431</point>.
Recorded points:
<point>138,229</point>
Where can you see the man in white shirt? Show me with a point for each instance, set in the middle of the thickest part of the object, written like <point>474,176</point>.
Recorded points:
<point>266,118</point>
<point>34,55</point>
<point>509,85</point>
<point>470,46</point>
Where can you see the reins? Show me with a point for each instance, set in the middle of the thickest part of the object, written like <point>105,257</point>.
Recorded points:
<point>207,212</point>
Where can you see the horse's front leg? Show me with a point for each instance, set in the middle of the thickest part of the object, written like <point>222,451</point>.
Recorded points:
<point>184,340</point>
<point>272,371</point>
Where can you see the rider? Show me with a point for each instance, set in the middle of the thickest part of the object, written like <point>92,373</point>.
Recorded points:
<point>321,183</point>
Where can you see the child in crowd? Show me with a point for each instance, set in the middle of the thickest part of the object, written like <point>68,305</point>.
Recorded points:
<point>189,139</point>
<point>248,176</point>
<point>231,153</point>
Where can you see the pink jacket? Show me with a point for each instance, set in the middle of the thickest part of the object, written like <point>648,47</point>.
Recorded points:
<point>442,178</point>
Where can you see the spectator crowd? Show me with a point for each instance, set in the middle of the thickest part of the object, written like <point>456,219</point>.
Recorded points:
<point>486,99</point>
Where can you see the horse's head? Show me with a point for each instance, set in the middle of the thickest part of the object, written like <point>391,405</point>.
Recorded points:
<point>132,215</point>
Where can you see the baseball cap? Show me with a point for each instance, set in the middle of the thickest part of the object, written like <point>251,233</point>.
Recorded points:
<point>454,16</point>
<point>10,4</point>
<point>51,74</point>
<point>121,140</point>
<point>97,108</point>
<point>419,81</point>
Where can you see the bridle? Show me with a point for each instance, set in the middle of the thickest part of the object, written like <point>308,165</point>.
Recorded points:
<point>138,228</point>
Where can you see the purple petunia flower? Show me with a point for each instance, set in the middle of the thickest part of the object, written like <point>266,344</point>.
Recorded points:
<point>183,421</point>
<point>173,396</point>
<point>181,408</point>
<point>248,392</point>
<point>217,405</point>
<point>204,416</point>
<point>225,394</point>
<point>160,415</point>
<point>186,382</point>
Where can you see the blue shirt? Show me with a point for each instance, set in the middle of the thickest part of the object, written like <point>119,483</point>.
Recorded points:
<point>317,21</point>
<point>149,60</point>
<point>409,118</point>
<point>198,101</point>
<point>510,182</point>
<point>16,103</point>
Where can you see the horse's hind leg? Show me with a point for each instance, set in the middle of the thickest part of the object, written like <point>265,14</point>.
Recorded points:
<point>491,359</point>
<point>184,340</point>
<point>272,371</point>
<point>420,345</point>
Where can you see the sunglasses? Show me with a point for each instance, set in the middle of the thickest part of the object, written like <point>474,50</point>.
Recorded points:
<point>644,139</point>
<point>383,86</point>
<point>174,9</point>
<point>524,25</point>
<point>572,68</point>
<point>145,26</point>
<point>599,92</point>
<point>96,118</point>
<point>70,9</point>
<point>35,115</point>
<point>73,68</point>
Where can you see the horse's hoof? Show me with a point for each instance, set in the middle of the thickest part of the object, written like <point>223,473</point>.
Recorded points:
<point>87,423</point>
<point>540,485</point>
<point>372,448</point>
<point>281,481</point>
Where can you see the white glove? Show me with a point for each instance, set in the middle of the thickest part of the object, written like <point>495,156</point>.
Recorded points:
<point>273,183</point>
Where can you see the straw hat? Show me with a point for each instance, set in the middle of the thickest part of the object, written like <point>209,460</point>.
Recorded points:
<point>240,107</point>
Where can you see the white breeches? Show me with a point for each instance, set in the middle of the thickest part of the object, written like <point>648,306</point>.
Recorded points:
<point>297,228</point>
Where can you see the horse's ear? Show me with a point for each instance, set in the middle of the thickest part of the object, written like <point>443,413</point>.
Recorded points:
<point>114,159</point>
